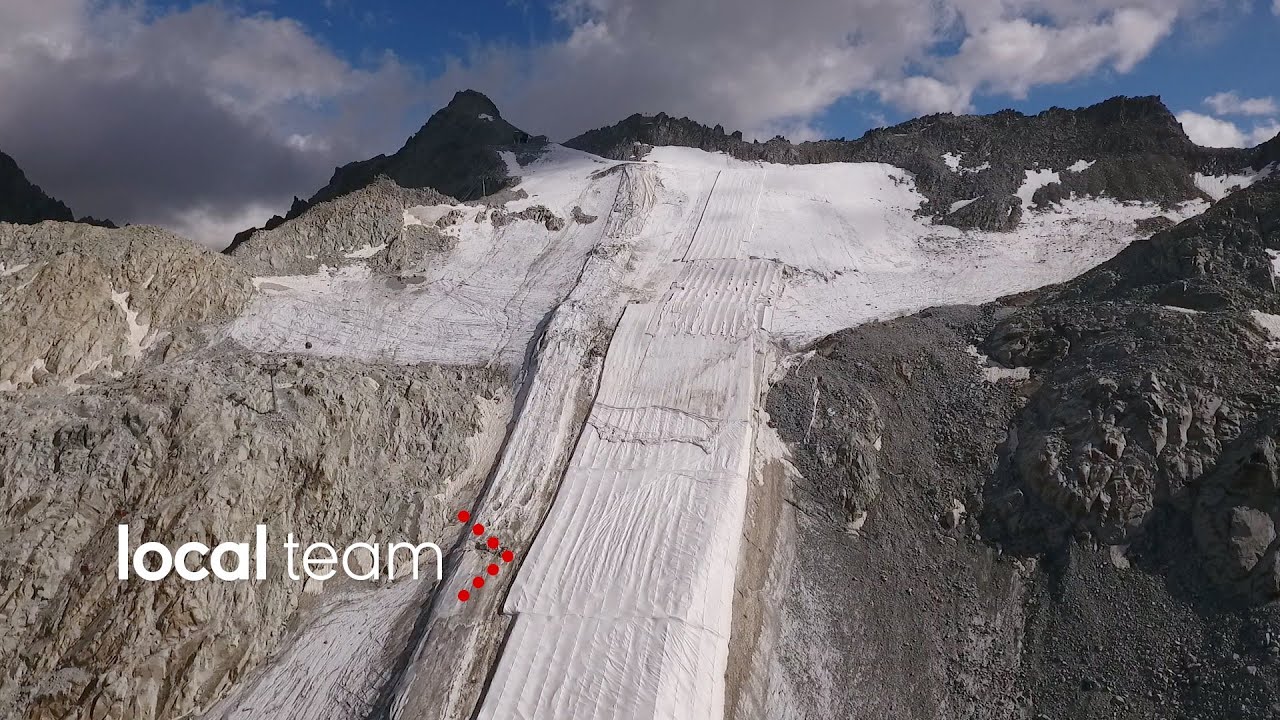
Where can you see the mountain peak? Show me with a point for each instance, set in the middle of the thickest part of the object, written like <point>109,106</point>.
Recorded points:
<point>474,103</point>
<point>22,201</point>
<point>455,153</point>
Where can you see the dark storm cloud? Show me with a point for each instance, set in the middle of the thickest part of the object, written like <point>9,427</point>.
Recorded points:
<point>203,121</point>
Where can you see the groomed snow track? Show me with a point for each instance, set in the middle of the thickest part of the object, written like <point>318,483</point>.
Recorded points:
<point>624,606</point>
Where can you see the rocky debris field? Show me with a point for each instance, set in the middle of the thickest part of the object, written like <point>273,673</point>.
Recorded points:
<point>82,301</point>
<point>1097,515</point>
<point>897,608</point>
<point>204,449</point>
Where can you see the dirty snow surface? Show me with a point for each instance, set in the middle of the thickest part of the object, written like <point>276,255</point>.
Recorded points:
<point>623,604</point>
<point>479,303</point>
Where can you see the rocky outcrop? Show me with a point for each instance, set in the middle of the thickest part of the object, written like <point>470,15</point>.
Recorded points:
<point>1132,148</point>
<point>1217,260</point>
<point>21,201</point>
<point>414,249</point>
<point>1149,374</point>
<point>455,153</point>
<point>79,302</point>
<point>204,450</point>
<point>336,232</point>
<point>997,214</point>
<point>1236,512</point>
<point>540,214</point>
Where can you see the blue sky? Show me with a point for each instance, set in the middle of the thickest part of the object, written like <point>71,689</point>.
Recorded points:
<point>209,116</point>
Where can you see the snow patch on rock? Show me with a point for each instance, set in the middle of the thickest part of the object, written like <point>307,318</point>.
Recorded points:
<point>365,252</point>
<point>1271,324</point>
<point>1220,186</point>
<point>137,330</point>
<point>1035,179</point>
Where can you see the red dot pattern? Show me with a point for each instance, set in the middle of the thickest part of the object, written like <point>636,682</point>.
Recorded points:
<point>492,543</point>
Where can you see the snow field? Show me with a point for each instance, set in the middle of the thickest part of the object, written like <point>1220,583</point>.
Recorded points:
<point>481,303</point>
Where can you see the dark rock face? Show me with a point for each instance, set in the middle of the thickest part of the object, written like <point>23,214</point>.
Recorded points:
<point>896,595</point>
<point>1150,376</point>
<point>987,213</point>
<point>455,154</point>
<point>23,202</point>
<point>1137,148</point>
<point>1236,512</point>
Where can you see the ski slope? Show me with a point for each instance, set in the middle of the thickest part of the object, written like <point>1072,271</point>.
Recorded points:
<point>697,270</point>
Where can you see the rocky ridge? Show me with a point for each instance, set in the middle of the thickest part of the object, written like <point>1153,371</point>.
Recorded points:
<point>336,232</point>
<point>1123,148</point>
<point>83,301</point>
<point>21,201</point>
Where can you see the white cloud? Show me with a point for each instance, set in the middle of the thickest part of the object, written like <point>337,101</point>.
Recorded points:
<point>1264,132</point>
<point>193,119</point>
<point>926,95</point>
<point>1215,132</point>
<point>750,64</point>
<point>1230,103</point>
<point>1275,7</point>
<point>1210,131</point>
<point>1012,55</point>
